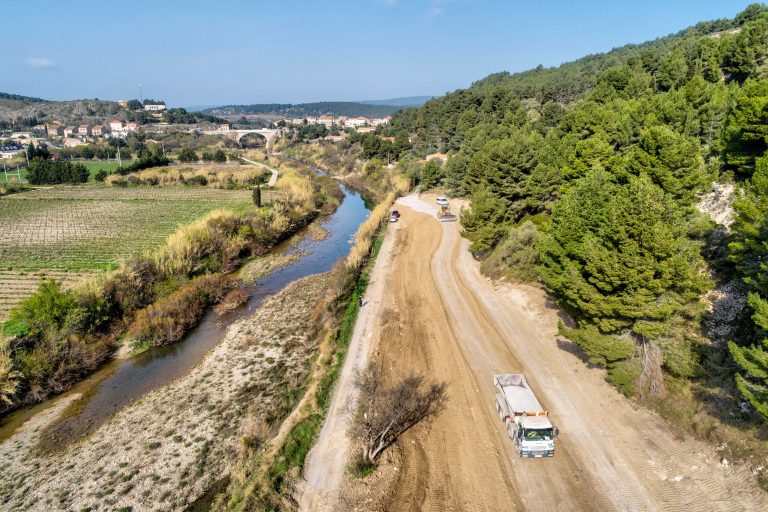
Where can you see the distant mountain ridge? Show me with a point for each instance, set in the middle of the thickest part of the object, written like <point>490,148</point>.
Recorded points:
<point>407,101</point>
<point>334,108</point>
<point>19,97</point>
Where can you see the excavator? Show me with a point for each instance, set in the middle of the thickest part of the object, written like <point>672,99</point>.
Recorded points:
<point>444,213</point>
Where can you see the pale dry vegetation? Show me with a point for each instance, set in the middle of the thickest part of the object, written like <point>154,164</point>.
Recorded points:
<point>216,176</point>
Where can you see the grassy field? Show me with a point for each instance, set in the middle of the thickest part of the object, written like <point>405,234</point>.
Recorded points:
<point>76,228</point>
<point>94,167</point>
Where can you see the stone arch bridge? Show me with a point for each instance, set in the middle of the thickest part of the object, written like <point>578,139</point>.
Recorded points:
<point>270,135</point>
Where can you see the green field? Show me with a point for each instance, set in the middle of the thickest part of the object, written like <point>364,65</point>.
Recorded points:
<point>95,227</point>
<point>110,166</point>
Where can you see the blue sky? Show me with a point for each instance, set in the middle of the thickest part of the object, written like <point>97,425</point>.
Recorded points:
<point>236,51</point>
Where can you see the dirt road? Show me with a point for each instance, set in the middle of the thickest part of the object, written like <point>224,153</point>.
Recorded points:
<point>272,179</point>
<point>441,317</point>
<point>327,462</point>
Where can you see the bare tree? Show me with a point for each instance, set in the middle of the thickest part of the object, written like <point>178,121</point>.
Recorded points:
<point>384,413</point>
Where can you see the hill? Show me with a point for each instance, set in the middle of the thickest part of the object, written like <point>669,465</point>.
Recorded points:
<point>409,101</point>
<point>24,112</point>
<point>299,110</point>
<point>18,97</point>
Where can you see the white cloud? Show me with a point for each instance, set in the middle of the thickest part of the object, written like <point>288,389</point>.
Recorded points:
<point>434,12</point>
<point>40,62</point>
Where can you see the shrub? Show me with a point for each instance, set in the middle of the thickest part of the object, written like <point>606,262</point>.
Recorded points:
<point>187,155</point>
<point>101,175</point>
<point>167,320</point>
<point>516,257</point>
<point>198,180</point>
<point>46,309</point>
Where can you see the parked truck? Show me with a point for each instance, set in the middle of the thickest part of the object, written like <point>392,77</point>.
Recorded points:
<point>527,423</point>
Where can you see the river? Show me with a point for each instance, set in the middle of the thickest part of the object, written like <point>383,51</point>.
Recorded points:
<point>122,381</point>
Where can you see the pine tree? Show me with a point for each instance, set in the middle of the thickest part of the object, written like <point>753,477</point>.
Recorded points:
<point>753,360</point>
<point>749,252</point>
<point>617,257</point>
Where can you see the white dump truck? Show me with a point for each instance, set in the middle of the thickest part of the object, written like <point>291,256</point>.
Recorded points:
<point>527,423</point>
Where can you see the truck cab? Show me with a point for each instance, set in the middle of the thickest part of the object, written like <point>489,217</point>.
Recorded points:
<point>534,436</point>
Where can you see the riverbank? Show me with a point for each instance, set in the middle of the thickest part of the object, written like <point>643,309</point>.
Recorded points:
<point>166,449</point>
<point>153,299</point>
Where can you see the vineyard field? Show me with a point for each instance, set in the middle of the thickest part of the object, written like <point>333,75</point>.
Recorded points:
<point>81,228</point>
<point>16,285</point>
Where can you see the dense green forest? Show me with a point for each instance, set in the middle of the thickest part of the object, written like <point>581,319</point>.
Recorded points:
<point>334,108</point>
<point>599,164</point>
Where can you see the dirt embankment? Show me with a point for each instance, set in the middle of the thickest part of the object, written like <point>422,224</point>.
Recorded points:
<point>166,449</point>
<point>441,317</point>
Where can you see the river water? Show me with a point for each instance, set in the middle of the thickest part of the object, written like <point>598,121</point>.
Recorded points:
<point>122,381</point>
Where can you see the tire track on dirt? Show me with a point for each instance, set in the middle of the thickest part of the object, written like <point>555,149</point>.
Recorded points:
<point>627,452</point>
<point>464,468</point>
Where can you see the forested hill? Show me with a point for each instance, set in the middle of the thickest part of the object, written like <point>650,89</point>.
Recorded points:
<point>586,176</point>
<point>18,97</point>
<point>334,108</point>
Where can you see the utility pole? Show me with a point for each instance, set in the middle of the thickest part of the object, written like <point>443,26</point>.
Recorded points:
<point>141,98</point>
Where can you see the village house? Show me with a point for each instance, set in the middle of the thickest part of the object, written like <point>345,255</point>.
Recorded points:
<point>115,126</point>
<point>72,142</point>
<point>55,130</point>
<point>356,122</point>
<point>98,130</point>
<point>154,107</point>
<point>69,131</point>
<point>131,127</point>
<point>312,120</point>
<point>10,151</point>
<point>366,129</point>
<point>123,103</point>
<point>381,121</point>
<point>328,121</point>
<point>84,130</point>
<point>22,135</point>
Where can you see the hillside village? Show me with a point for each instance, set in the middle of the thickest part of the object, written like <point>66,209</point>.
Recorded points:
<point>153,117</point>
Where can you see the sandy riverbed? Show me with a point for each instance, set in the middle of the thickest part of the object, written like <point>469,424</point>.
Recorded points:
<point>164,450</point>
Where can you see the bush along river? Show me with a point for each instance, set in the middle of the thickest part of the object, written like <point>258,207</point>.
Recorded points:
<point>123,381</point>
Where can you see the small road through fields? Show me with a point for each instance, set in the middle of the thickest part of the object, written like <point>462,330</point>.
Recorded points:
<point>272,179</point>
<point>440,316</point>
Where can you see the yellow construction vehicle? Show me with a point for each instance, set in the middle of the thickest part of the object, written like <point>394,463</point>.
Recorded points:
<point>444,213</point>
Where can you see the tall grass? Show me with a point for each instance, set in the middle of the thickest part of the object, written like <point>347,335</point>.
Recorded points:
<point>217,176</point>
<point>190,244</point>
<point>364,235</point>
